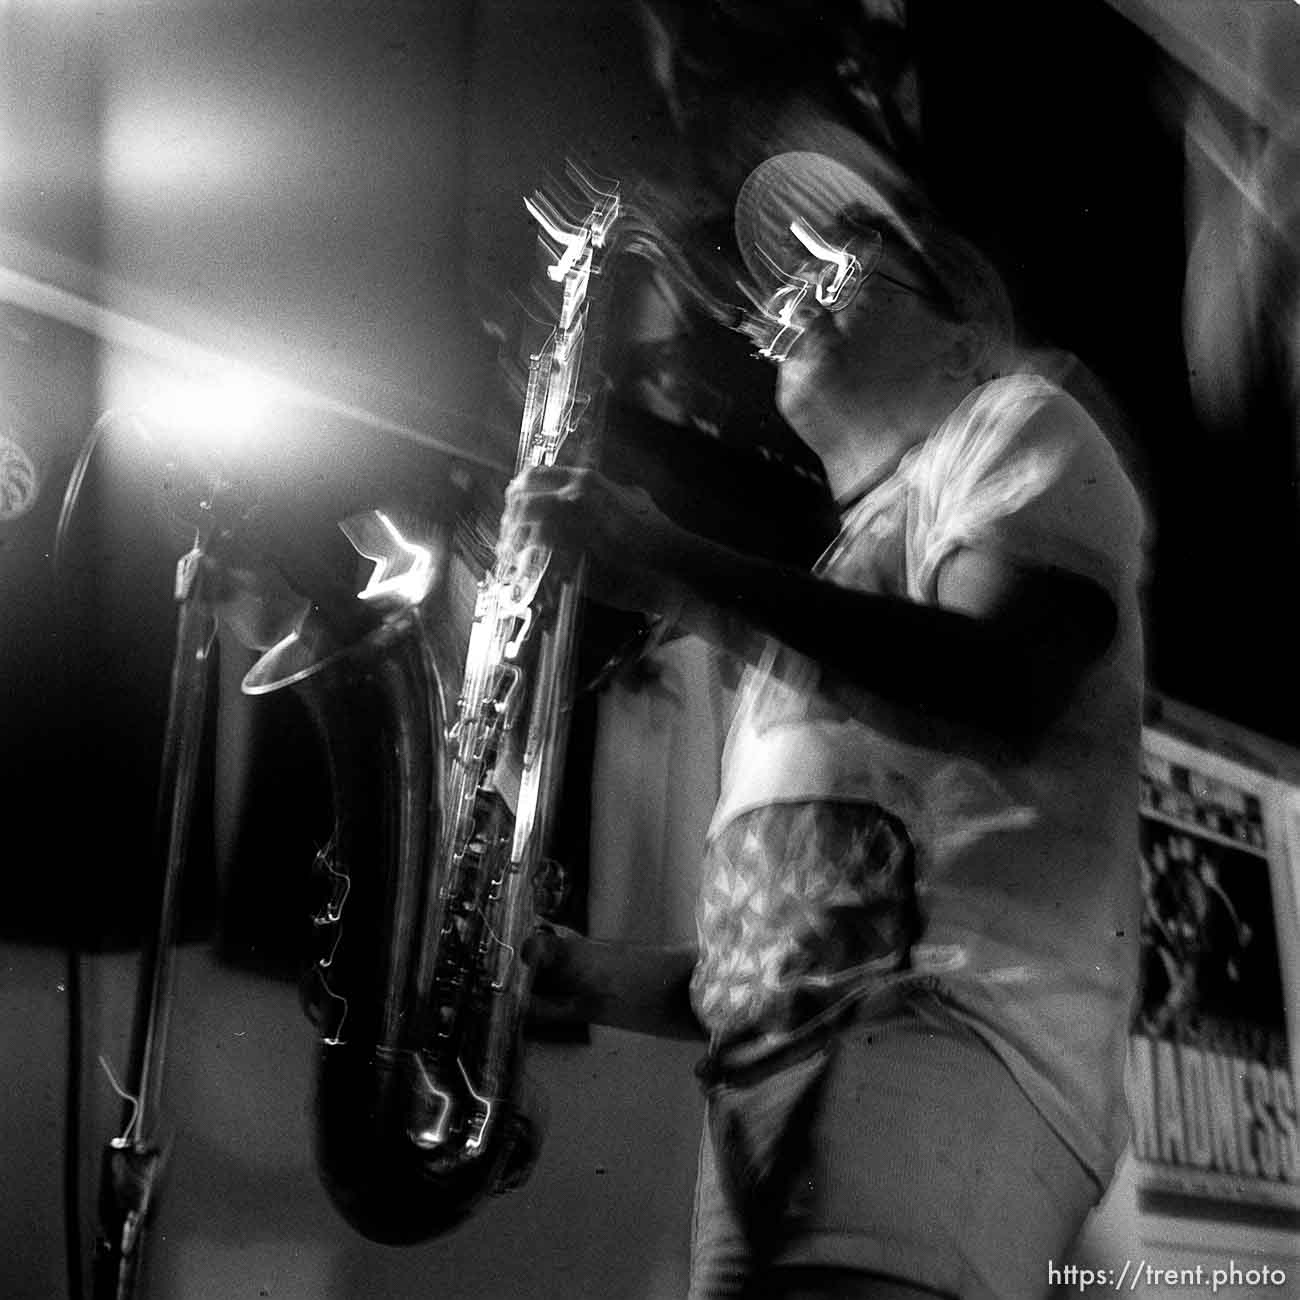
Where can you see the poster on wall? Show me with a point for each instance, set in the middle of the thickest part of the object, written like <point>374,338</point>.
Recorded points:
<point>1211,1061</point>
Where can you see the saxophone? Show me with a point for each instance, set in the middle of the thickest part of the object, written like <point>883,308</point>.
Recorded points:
<point>445,775</point>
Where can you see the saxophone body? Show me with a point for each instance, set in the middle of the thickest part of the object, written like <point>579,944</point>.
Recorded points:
<point>445,737</point>
<point>383,716</point>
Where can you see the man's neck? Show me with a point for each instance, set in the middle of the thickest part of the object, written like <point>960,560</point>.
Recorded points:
<point>870,449</point>
<point>856,467</point>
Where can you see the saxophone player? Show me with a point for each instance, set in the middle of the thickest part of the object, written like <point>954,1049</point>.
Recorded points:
<point>917,914</point>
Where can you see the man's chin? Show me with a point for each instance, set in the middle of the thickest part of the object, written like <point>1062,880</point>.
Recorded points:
<point>801,375</point>
<point>811,346</point>
<point>799,399</point>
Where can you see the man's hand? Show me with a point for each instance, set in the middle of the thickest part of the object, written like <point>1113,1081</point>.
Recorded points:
<point>630,543</point>
<point>564,987</point>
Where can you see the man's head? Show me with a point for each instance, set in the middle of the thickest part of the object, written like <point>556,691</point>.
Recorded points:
<point>893,315</point>
<point>889,230</point>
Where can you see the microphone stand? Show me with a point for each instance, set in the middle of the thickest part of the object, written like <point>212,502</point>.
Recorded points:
<point>132,1163</point>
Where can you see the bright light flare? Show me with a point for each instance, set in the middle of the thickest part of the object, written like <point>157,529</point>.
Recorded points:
<point>404,570</point>
<point>210,406</point>
<point>848,271</point>
<point>572,239</point>
<point>230,407</point>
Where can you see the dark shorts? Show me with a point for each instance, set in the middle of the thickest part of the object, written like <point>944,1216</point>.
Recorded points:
<point>902,1148</point>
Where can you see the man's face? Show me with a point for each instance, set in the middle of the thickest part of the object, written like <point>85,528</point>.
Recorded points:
<point>885,342</point>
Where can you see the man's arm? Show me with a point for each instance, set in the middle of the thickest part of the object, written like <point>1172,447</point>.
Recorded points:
<point>637,987</point>
<point>1002,650</point>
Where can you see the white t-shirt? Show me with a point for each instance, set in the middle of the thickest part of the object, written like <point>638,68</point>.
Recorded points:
<point>1027,866</point>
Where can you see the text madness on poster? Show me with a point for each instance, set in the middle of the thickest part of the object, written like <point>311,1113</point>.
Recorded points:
<point>1211,1081</point>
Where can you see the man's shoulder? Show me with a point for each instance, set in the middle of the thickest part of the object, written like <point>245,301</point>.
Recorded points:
<point>1019,406</point>
<point>1022,456</point>
<point>1026,422</point>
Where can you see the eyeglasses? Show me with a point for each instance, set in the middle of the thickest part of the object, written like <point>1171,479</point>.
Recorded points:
<point>833,274</point>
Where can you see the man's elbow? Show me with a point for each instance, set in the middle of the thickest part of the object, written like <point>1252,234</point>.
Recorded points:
<point>1047,683</point>
<point>1053,664</point>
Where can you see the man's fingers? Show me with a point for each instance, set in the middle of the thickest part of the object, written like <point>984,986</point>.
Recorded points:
<point>543,478</point>
<point>549,950</point>
<point>553,512</point>
<point>534,508</point>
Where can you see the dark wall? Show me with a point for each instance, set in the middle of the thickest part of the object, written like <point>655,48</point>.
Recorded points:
<point>1058,131</point>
